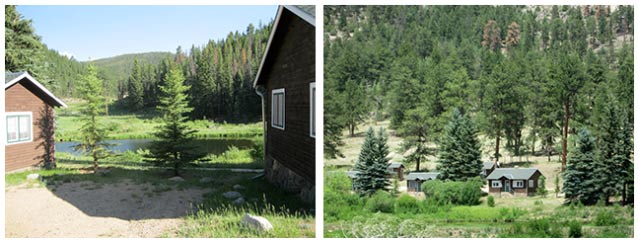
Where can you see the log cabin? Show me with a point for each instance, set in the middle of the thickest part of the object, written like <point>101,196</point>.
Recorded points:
<point>415,179</point>
<point>29,116</point>
<point>515,181</point>
<point>488,167</point>
<point>286,83</point>
<point>395,169</point>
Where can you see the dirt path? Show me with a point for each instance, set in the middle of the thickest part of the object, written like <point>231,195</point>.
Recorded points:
<point>86,209</point>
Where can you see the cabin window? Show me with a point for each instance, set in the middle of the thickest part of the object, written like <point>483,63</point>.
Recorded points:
<point>312,109</point>
<point>519,184</point>
<point>496,184</point>
<point>19,127</point>
<point>278,114</point>
<point>531,183</point>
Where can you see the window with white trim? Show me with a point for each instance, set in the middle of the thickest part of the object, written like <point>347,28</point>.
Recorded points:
<point>531,183</point>
<point>278,114</point>
<point>312,109</point>
<point>19,128</point>
<point>496,183</point>
<point>519,184</point>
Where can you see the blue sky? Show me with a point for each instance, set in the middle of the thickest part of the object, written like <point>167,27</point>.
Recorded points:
<point>103,31</point>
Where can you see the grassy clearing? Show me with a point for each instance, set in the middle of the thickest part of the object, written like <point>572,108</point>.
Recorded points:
<point>348,215</point>
<point>125,125</point>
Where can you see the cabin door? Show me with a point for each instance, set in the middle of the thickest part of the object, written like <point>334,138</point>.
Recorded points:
<point>507,186</point>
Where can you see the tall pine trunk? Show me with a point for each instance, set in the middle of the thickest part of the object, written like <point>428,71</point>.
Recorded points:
<point>565,132</point>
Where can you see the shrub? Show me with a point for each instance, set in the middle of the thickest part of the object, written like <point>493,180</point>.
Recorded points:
<point>458,193</point>
<point>257,150</point>
<point>575,229</point>
<point>381,201</point>
<point>406,204</point>
<point>605,218</point>
<point>490,201</point>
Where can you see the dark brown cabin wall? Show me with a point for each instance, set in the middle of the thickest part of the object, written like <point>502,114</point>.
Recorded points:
<point>19,99</point>
<point>293,68</point>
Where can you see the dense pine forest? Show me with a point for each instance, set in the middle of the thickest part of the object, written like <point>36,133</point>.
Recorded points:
<point>525,73</point>
<point>220,72</point>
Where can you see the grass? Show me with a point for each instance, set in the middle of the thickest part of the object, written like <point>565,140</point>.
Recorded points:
<point>125,125</point>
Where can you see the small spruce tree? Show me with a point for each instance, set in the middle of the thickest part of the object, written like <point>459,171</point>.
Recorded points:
<point>174,146</point>
<point>92,130</point>
<point>460,150</point>
<point>577,184</point>
<point>372,164</point>
<point>542,190</point>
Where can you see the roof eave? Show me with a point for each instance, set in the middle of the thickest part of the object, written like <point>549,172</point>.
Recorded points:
<point>26,75</point>
<point>270,39</point>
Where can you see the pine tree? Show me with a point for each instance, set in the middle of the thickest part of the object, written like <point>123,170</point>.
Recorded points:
<point>354,99</point>
<point>459,150</point>
<point>372,164</point>
<point>542,189</point>
<point>135,87</point>
<point>578,184</point>
<point>174,146</point>
<point>415,130</point>
<point>92,130</point>
<point>23,46</point>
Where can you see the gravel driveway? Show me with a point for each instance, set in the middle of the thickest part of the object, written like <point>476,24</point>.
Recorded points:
<point>86,209</point>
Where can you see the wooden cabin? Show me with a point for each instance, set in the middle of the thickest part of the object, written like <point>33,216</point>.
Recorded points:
<point>516,181</point>
<point>29,117</point>
<point>415,179</point>
<point>395,169</point>
<point>286,83</point>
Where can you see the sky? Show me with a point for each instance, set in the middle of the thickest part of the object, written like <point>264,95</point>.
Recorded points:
<point>94,32</point>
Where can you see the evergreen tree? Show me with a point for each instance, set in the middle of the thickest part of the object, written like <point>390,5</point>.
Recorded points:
<point>174,146</point>
<point>92,130</point>
<point>415,130</point>
<point>135,87</point>
<point>542,190</point>
<point>459,150</point>
<point>22,45</point>
<point>372,164</point>
<point>578,184</point>
<point>354,100</point>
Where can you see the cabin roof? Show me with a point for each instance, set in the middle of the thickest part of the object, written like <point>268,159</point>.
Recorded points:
<point>394,165</point>
<point>488,165</point>
<point>11,78</point>
<point>512,173</point>
<point>422,176</point>
<point>305,12</point>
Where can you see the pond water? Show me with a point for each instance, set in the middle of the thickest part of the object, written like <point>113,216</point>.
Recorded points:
<point>210,146</point>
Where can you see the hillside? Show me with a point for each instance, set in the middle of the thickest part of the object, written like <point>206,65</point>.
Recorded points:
<point>119,67</point>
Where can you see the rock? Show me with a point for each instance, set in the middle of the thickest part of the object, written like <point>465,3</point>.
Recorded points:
<point>256,222</point>
<point>231,195</point>
<point>33,176</point>
<point>206,179</point>
<point>238,187</point>
<point>239,201</point>
<point>103,171</point>
<point>176,178</point>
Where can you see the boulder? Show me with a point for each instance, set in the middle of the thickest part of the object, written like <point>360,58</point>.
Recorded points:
<point>238,187</point>
<point>231,195</point>
<point>33,176</point>
<point>239,201</point>
<point>256,222</point>
<point>176,178</point>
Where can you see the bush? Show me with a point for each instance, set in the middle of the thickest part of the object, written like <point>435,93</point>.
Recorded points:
<point>407,204</point>
<point>490,201</point>
<point>381,201</point>
<point>575,229</point>
<point>257,151</point>
<point>605,218</point>
<point>458,193</point>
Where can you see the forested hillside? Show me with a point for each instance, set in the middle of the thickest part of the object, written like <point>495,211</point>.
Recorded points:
<point>219,72</point>
<point>525,74</point>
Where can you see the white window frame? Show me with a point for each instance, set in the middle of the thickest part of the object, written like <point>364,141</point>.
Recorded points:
<point>518,184</point>
<point>18,115</point>
<point>531,183</point>
<point>272,107</point>
<point>313,115</point>
<point>496,184</point>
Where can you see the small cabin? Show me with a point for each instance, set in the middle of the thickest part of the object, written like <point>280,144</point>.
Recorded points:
<point>286,83</point>
<point>395,169</point>
<point>488,167</point>
<point>515,181</point>
<point>352,175</point>
<point>29,115</point>
<point>415,179</point>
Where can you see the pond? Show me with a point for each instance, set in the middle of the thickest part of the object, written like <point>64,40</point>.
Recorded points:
<point>210,146</point>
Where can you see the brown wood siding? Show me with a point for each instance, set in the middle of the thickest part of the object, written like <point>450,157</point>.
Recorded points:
<point>411,184</point>
<point>292,67</point>
<point>18,98</point>
<point>520,191</point>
